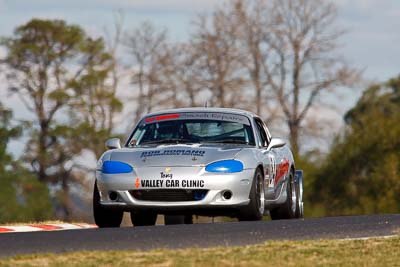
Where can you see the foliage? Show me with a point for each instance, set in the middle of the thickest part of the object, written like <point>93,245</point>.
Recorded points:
<point>310,164</point>
<point>22,197</point>
<point>362,172</point>
<point>287,54</point>
<point>54,68</point>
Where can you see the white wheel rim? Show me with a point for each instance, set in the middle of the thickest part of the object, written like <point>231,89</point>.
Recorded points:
<point>260,193</point>
<point>294,195</point>
<point>301,205</point>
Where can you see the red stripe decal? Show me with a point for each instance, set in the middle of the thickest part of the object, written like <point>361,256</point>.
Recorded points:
<point>47,227</point>
<point>162,117</point>
<point>4,230</point>
<point>167,117</point>
<point>282,169</point>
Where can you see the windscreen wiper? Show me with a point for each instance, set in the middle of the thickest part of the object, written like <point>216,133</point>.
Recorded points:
<point>168,141</point>
<point>227,141</point>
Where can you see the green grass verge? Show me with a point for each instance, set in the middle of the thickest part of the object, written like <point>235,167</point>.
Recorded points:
<point>371,252</point>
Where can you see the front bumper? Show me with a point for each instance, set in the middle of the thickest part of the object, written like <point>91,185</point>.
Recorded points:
<point>239,184</point>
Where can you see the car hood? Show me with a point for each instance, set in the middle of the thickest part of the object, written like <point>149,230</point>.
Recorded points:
<point>175,155</point>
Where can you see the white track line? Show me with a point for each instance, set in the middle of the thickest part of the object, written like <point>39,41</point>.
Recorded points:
<point>44,227</point>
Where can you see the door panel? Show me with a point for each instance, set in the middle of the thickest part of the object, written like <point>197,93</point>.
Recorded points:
<point>281,162</point>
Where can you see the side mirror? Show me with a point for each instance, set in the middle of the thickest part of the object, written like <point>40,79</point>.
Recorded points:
<point>113,143</point>
<point>276,142</point>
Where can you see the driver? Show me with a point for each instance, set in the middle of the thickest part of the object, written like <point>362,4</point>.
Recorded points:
<point>169,130</point>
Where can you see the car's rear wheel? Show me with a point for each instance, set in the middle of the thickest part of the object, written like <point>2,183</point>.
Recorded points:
<point>255,210</point>
<point>300,203</point>
<point>105,217</point>
<point>178,219</point>
<point>143,218</point>
<point>289,209</point>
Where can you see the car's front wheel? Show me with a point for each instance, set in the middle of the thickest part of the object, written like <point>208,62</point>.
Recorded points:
<point>255,210</point>
<point>104,217</point>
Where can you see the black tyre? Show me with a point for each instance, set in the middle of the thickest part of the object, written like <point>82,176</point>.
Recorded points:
<point>289,209</point>
<point>178,219</point>
<point>299,190</point>
<point>255,210</point>
<point>104,217</point>
<point>143,218</point>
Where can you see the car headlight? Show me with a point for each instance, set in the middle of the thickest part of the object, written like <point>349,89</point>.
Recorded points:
<point>99,166</point>
<point>111,166</point>
<point>225,166</point>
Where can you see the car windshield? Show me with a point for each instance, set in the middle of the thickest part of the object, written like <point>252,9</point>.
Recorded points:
<point>188,129</point>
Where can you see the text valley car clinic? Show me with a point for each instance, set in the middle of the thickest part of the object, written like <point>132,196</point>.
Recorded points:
<point>172,183</point>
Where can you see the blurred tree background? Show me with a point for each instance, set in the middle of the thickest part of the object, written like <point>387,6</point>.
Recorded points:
<point>22,196</point>
<point>277,58</point>
<point>361,173</point>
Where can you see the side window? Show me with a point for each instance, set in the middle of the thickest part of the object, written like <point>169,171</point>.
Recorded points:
<point>268,133</point>
<point>262,134</point>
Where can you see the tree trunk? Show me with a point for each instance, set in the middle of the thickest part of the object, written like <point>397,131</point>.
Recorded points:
<point>294,126</point>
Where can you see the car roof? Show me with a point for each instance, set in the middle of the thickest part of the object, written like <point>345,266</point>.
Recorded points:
<point>203,109</point>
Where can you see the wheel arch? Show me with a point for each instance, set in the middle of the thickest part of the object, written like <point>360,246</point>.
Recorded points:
<point>292,169</point>
<point>261,167</point>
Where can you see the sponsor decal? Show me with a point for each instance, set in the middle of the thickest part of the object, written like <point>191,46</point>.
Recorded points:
<point>137,183</point>
<point>201,116</point>
<point>216,116</point>
<point>282,169</point>
<point>173,152</point>
<point>164,175</point>
<point>271,171</point>
<point>151,183</point>
<point>168,183</point>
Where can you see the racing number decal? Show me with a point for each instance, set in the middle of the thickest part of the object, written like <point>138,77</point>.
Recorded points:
<point>271,171</point>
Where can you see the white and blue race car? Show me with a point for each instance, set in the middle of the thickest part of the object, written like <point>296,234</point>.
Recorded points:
<point>197,161</point>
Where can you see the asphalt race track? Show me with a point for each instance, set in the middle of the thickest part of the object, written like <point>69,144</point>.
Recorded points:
<point>198,235</point>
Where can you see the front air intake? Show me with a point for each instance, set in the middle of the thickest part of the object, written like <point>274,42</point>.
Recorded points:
<point>169,195</point>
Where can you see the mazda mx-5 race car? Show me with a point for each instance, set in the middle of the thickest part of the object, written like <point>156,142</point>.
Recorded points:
<point>197,161</point>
